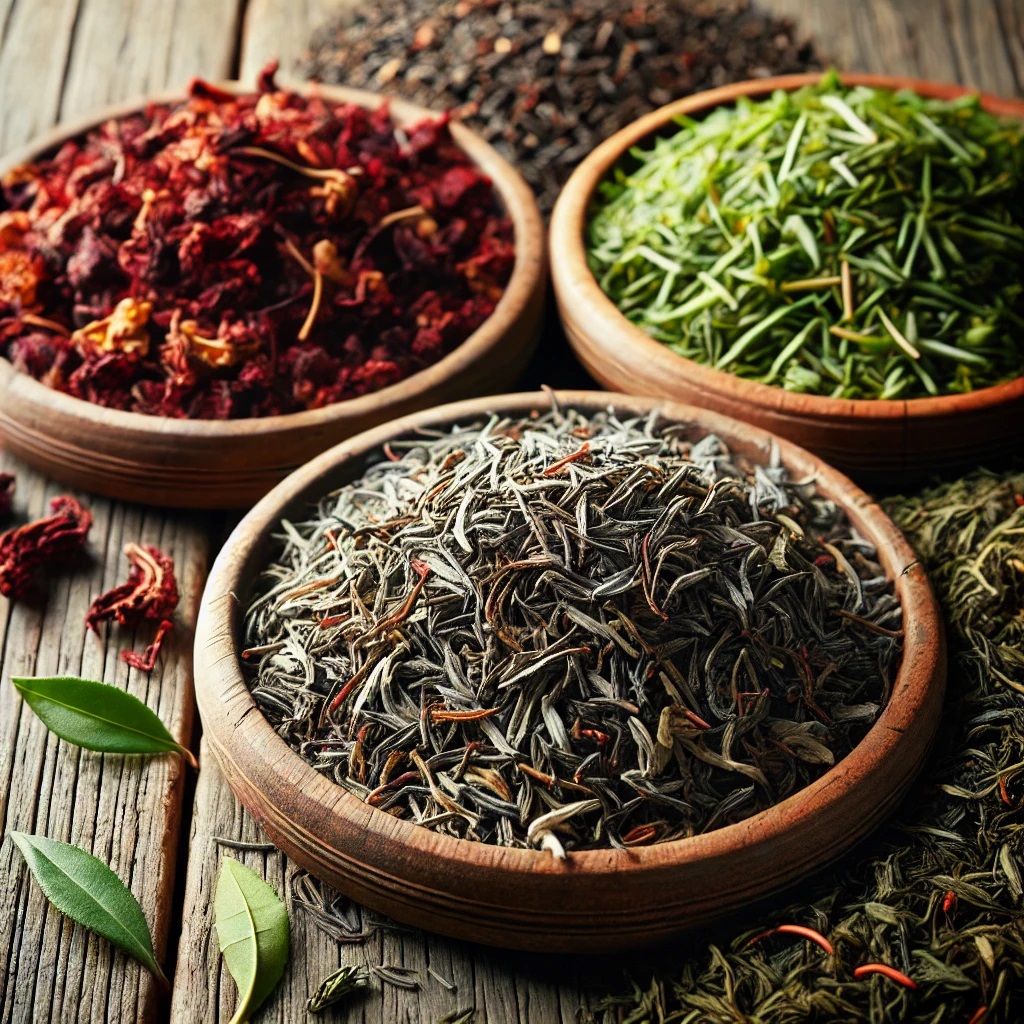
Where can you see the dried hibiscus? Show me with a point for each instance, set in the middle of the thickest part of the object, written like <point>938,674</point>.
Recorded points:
<point>6,491</point>
<point>149,593</point>
<point>26,548</point>
<point>246,256</point>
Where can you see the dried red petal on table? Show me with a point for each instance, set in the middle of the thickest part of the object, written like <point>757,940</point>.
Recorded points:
<point>150,592</point>
<point>146,661</point>
<point>25,548</point>
<point>6,492</point>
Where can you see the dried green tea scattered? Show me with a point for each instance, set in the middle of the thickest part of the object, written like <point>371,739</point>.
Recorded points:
<point>571,633</point>
<point>856,243</point>
<point>936,898</point>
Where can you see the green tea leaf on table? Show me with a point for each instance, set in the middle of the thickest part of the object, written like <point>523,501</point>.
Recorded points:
<point>97,716</point>
<point>86,890</point>
<point>336,986</point>
<point>252,931</point>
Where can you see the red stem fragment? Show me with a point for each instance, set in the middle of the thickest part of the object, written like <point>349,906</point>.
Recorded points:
<point>979,1015</point>
<point>25,548</point>
<point>796,929</point>
<point>886,971</point>
<point>146,661</point>
<point>556,467</point>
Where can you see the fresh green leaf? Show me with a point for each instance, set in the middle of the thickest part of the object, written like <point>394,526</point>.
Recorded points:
<point>97,716</point>
<point>86,890</point>
<point>252,930</point>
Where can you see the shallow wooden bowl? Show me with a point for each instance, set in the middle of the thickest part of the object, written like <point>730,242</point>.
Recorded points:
<point>596,900</point>
<point>231,464</point>
<point>876,442</point>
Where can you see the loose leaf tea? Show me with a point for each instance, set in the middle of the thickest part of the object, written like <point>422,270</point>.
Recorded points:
<point>150,593</point>
<point>252,931</point>
<point>237,256</point>
<point>857,243</point>
<point>86,890</point>
<point>335,987</point>
<point>97,716</point>
<point>25,549</point>
<point>6,493</point>
<point>925,916</point>
<point>566,632</point>
<point>545,83</point>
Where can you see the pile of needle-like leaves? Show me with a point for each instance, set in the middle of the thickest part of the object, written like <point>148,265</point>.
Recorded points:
<point>937,895</point>
<point>856,243</point>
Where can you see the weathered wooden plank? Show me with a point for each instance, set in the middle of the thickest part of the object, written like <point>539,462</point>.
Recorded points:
<point>124,810</point>
<point>274,30</point>
<point>123,51</point>
<point>503,987</point>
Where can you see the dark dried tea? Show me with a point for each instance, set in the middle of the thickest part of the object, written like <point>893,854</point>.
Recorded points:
<point>924,919</point>
<point>572,633</point>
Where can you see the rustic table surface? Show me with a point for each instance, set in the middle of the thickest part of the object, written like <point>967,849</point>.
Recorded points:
<point>155,822</point>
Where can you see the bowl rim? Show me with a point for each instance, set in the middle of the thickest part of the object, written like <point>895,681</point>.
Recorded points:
<point>512,192</point>
<point>224,698</point>
<point>577,288</point>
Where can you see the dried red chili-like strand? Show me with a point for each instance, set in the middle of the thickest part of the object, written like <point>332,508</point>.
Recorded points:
<point>796,929</point>
<point>24,549</point>
<point>149,594</point>
<point>146,661</point>
<point>886,971</point>
<point>6,491</point>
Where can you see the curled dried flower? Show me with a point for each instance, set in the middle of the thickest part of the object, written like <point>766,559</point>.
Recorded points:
<point>123,331</point>
<point>25,548</point>
<point>150,593</point>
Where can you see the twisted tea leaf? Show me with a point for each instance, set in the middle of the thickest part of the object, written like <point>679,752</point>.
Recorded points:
<point>336,986</point>
<point>97,716</point>
<point>252,931</point>
<point>86,890</point>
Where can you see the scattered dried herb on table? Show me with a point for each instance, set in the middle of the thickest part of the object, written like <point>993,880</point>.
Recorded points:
<point>25,549</point>
<point>572,633</point>
<point>246,256</point>
<point>545,83</point>
<point>149,594</point>
<point>856,243</point>
<point>935,896</point>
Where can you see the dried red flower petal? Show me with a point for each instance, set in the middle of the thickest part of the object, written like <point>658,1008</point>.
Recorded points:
<point>150,592</point>
<point>25,548</point>
<point>146,661</point>
<point>196,261</point>
<point>6,491</point>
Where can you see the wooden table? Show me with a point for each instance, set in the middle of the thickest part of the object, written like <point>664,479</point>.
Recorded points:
<point>153,821</point>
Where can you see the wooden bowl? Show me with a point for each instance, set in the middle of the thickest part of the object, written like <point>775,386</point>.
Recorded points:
<point>595,900</point>
<point>231,464</point>
<point>878,442</point>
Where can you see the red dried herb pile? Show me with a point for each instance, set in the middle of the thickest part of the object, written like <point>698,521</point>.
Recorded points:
<point>25,548</point>
<point>6,493</point>
<point>149,594</point>
<point>245,256</point>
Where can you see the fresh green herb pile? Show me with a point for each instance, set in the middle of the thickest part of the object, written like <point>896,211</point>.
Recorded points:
<point>857,243</point>
<point>937,895</point>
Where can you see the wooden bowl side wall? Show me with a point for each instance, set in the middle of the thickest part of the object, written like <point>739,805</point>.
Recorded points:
<point>875,441</point>
<point>231,464</point>
<point>597,900</point>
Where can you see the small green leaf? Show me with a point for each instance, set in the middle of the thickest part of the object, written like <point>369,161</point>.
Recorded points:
<point>86,890</point>
<point>97,716</point>
<point>252,930</point>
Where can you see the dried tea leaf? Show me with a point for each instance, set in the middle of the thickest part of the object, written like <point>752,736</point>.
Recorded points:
<point>97,716</point>
<point>336,986</point>
<point>252,931</point>
<point>86,890</point>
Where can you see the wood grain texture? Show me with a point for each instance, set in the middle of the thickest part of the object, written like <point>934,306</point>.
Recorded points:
<point>598,900</point>
<point>280,30</point>
<point>231,464</point>
<point>124,810</point>
<point>875,441</point>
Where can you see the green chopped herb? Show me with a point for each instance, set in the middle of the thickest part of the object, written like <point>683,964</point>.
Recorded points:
<point>894,221</point>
